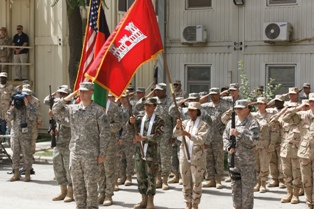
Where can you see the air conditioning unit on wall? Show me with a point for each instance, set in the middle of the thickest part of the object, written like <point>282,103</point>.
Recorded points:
<point>193,34</point>
<point>277,31</point>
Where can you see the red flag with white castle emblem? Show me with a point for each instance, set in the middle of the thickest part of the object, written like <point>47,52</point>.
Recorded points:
<point>135,41</point>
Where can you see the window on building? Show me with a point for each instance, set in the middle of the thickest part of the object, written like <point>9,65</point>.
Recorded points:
<point>192,4</point>
<point>278,2</point>
<point>124,5</point>
<point>284,74</point>
<point>198,78</point>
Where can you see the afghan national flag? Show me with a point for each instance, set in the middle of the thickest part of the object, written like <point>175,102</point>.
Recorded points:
<point>97,32</point>
<point>135,41</point>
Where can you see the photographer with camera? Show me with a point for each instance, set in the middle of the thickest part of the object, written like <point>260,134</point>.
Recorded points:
<point>22,114</point>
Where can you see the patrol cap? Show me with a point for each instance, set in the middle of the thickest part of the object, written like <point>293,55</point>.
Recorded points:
<point>214,90</point>
<point>26,86</point>
<point>261,100</point>
<point>4,29</point>
<point>161,86</point>
<point>203,93</point>
<point>86,86</point>
<point>279,97</point>
<point>305,101</point>
<point>194,96</point>
<point>3,74</point>
<point>260,88</point>
<point>130,87</point>
<point>110,95</point>
<point>178,99</point>
<point>234,86</point>
<point>151,101</point>
<point>25,82</point>
<point>311,97</point>
<point>177,82</point>
<point>63,86</point>
<point>140,89</point>
<point>194,106</point>
<point>293,90</point>
<point>306,85</point>
<point>27,91</point>
<point>242,103</point>
<point>65,90</point>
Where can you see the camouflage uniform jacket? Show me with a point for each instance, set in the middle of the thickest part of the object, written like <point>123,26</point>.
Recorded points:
<point>35,101</point>
<point>24,115</point>
<point>180,93</point>
<point>5,52</point>
<point>115,120</point>
<point>248,134</point>
<point>64,128</point>
<point>152,140</point>
<point>89,128</point>
<point>198,139</point>
<point>6,91</point>
<point>305,122</point>
<point>265,140</point>
<point>125,116</point>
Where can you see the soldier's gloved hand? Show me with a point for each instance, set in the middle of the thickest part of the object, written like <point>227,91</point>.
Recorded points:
<point>185,133</point>
<point>54,132</point>
<point>139,138</point>
<point>100,159</point>
<point>179,123</point>
<point>132,119</point>
<point>50,113</point>
<point>233,132</point>
<point>120,142</point>
<point>231,151</point>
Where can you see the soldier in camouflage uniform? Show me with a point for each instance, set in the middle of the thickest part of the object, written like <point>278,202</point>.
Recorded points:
<point>243,174</point>
<point>108,178</point>
<point>265,145</point>
<point>6,91</point>
<point>214,152</point>
<point>125,164</point>
<point>89,143</point>
<point>288,152</point>
<point>192,168</point>
<point>276,131</point>
<point>4,51</point>
<point>305,121</point>
<point>22,117</point>
<point>151,130</point>
<point>61,153</point>
<point>178,91</point>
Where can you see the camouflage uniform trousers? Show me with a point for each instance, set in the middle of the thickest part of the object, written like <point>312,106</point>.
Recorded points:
<point>61,160</point>
<point>307,171</point>
<point>107,171</point>
<point>262,164</point>
<point>291,172</point>
<point>175,156</point>
<point>164,151</point>
<point>146,176</point>
<point>4,68</point>
<point>21,142</point>
<point>84,176</point>
<point>125,163</point>
<point>242,190</point>
<point>275,165</point>
<point>192,176</point>
<point>215,159</point>
<point>34,138</point>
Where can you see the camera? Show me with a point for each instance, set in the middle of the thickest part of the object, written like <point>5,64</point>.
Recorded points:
<point>18,100</point>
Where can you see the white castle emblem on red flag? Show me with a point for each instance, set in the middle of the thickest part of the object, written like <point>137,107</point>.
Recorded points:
<point>127,42</point>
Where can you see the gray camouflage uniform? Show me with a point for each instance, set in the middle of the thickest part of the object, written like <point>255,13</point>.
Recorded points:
<point>89,140</point>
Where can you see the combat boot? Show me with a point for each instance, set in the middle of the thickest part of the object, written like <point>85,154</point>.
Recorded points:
<point>16,175</point>
<point>27,176</point>
<point>309,206</point>
<point>165,182</point>
<point>288,197</point>
<point>210,183</point>
<point>262,188</point>
<point>174,179</point>
<point>108,201</point>
<point>282,184</point>
<point>257,186</point>
<point>63,193</point>
<point>69,196</point>
<point>158,181</point>
<point>180,181</point>
<point>122,180</point>
<point>274,183</point>
<point>150,202</point>
<point>194,206</point>
<point>228,179</point>
<point>188,205</point>
<point>101,198</point>
<point>301,191</point>
<point>141,204</point>
<point>218,183</point>
<point>116,185</point>
<point>128,181</point>
<point>295,197</point>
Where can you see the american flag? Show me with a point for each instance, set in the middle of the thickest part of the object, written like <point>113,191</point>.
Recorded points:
<point>89,42</point>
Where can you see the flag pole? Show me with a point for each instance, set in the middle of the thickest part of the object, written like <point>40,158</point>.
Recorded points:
<point>175,103</point>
